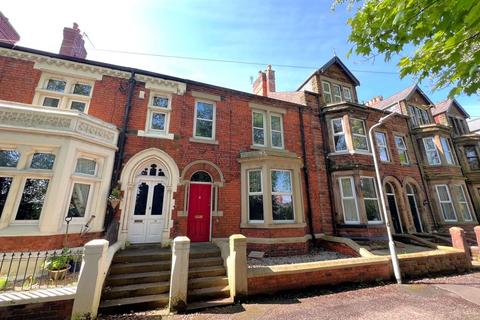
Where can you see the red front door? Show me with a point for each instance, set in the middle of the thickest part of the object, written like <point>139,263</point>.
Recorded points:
<point>198,229</point>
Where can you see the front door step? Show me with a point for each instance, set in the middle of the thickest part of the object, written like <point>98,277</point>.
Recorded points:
<point>160,299</point>
<point>196,306</point>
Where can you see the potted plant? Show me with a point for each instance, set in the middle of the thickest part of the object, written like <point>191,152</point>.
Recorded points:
<point>3,282</point>
<point>115,197</point>
<point>58,265</point>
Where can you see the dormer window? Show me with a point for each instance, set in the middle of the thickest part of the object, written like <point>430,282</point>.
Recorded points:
<point>327,94</point>
<point>347,94</point>
<point>337,93</point>
<point>418,116</point>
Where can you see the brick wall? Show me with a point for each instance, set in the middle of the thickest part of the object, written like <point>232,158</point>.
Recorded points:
<point>41,243</point>
<point>269,280</point>
<point>54,310</point>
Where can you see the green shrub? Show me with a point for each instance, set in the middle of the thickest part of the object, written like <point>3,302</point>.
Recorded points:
<point>58,262</point>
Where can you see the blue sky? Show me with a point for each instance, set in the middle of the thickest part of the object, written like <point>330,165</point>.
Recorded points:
<point>280,32</point>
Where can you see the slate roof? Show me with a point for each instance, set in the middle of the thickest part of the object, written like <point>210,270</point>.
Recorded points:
<point>399,96</point>
<point>445,105</point>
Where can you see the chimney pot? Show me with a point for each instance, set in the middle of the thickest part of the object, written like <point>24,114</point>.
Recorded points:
<point>73,44</point>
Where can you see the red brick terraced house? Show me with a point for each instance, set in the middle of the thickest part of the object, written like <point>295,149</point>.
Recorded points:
<point>439,136</point>
<point>207,162</point>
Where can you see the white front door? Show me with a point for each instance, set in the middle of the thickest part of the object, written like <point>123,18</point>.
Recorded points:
<point>147,219</point>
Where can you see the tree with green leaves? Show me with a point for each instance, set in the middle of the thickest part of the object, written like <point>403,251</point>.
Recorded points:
<point>444,34</point>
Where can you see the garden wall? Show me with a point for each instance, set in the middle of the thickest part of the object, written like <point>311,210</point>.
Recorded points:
<point>268,280</point>
<point>52,310</point>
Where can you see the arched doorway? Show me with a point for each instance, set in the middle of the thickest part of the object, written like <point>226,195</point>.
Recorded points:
<point>412,202</point>
<point>148,180</point>
<point>393,207</point>
<point>147,221</point>
<point>199,207</point>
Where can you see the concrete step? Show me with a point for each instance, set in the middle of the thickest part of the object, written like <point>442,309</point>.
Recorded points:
<point>137,267</point>
<point>205,262</point>
<point>131,255</point>
<point>196,306</point>
<point>160,299</point>
<point>204,253</point>
<point>133,278</point>
<point>135,290</point>
<point>207,282</point>
<point>208,294</point>
<point>212,271</point>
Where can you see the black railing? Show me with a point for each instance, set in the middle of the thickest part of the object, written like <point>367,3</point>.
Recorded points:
<point>23,271</point>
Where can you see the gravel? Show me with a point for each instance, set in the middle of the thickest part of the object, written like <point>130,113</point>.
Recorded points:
<point>316,254</point>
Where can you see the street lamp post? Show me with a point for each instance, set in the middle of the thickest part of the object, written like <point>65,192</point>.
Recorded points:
<point>391,244</point>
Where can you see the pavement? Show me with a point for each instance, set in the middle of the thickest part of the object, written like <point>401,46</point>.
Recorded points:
<point>445,298</point>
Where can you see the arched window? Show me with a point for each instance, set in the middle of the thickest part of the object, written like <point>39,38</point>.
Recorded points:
<point>410,190</point>
<point>201,176</point>
<point>388,188</point>
<point>153,171</point>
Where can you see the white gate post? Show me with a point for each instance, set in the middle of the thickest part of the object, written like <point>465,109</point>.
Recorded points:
<point>179,274</point>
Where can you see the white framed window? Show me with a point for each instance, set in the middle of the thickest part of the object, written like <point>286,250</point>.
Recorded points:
<point>204,122</point>
<point>445,200</point>
<point>431,151</point>
<point>258,128</point>
<point>359,134</point>
<point>347,94</point>
<point>158,116</point>
<point>418,116</point>
<point>401,149</point>
<point>5,184</point>
<point>282,196</point>
<point>327,93</point>
<point>86,166</point>
<point>42,160</point>
<point>382,146</point>
<point>9,158</point>
<point>339,141</point>
<point>463,202</point>
<point>349,200</point>
<point>337,93</point>
<point>31,203</point>
<point>447,150</point>
<point>276,130</point>
<point>79,200</point>
<point>58,91</point>
<point>255,196</point>
<point>471,155</point>
<point>370,199</point>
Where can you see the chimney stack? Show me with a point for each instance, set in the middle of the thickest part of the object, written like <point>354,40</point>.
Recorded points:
<point>73,44</point>
<point>373,101</point>
<point>7,32</point>
<point>265,82</point>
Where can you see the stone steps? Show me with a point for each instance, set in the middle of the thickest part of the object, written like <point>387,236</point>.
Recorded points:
<point>158,299</point>
<point>211,271</point>
<point>138,267</point>
<point>132,278</point>
<point>205,282</point>
<point>135,290</point>
<point>208,294</point>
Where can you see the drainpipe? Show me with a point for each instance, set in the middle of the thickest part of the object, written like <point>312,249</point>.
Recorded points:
<point>305,174</point>
<point>323,129</point>
<point>122,137</point>
<point>422,173</point>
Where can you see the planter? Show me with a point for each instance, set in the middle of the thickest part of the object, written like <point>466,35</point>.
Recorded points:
<point>56,275</point>
<point>114,203</point>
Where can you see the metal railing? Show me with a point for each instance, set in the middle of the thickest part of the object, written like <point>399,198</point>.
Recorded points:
<point>23,271</point>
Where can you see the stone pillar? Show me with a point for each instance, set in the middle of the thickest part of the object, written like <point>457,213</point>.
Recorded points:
<point>179,274</point>
<point>237,267</point>
<point>477,234</point>
<point>90,282</point>
<point>460,242</point>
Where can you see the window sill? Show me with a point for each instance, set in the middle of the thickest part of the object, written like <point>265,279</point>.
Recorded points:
<point>255,147</point>
<point>206,141</point>
<point>343,153</point>
<point>168,136</point>
<point>287,225</point>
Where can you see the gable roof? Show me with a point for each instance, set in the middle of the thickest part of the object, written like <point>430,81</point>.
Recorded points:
<point>399,96</point>
<point>446,105</point>
<point>334,60</point>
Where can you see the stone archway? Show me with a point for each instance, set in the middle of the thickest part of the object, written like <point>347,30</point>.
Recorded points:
<point>132,171</point>
<point>395,204</point>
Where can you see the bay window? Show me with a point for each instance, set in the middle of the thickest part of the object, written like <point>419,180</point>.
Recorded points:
<point>463,202</point>
<point>446,204</point>
<point>382,146</point>
<point>86,166</point>
<point>447,150</point>
<point>255,196</point>
<point>349,200</point>
<point>472,157</point>
<point>401,149</point>
<point>282,198</point>
<point>431,151</point>
<point>258,127</point>
<point>9,158</point>
<point>339,141</point>
<point>33,197</point>
<point>42,160</point>
<point>359,135</point>
<point>347,94</point>
<point>5,184</point>
<point>370,199</point>
<point>79,200</point>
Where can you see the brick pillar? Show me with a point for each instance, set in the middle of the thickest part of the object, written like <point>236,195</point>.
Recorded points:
<point>460,242</point>
<point>477,234</point>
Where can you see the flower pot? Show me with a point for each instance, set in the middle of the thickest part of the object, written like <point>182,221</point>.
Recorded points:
<point>56,275</point>
<point>114,203</point>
